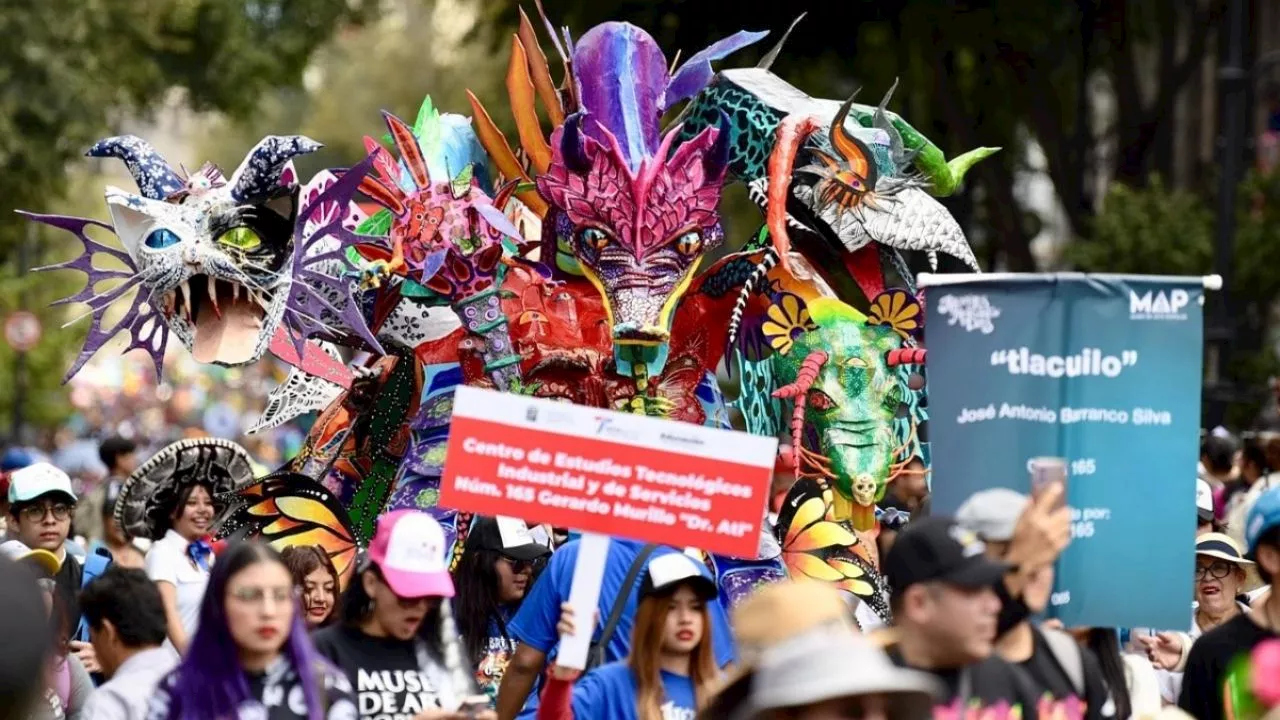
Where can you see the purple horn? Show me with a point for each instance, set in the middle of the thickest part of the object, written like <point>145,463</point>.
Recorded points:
<point>259,174</point>
<point>716,160</point>
<point>572,148</point>
<point>155,179</point>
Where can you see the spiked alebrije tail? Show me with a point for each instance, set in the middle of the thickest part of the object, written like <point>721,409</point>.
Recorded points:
<point>767,263</point>
<point>147,329</point>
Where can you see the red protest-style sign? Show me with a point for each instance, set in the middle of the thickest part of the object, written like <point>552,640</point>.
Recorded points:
<point>606,472</point>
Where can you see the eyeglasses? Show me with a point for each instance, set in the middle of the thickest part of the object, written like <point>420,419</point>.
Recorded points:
<point>1217,571</point>
<point>36,513</point>
<point>258,596</point>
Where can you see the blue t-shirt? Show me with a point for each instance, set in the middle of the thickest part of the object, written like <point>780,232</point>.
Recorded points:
<point>535,622</point>
<point>610,692</point>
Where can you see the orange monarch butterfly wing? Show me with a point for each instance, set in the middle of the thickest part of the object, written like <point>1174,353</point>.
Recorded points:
<point>290,510</point>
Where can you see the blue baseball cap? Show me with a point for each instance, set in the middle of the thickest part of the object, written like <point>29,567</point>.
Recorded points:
<point>1264,515</point>
<point>16,458</point>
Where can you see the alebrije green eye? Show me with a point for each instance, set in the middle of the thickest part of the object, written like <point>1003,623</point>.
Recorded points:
<point>240,238</point>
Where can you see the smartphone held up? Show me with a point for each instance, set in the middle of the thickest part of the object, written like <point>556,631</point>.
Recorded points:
<point>1046,471</point>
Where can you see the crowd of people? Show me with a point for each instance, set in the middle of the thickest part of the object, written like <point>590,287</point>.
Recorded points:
<point>114,612</point>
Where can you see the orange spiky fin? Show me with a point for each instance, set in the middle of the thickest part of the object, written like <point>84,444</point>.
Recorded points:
<point>568,87</point>
<point>540,71</point>
<point>521,91</point>
<point>495,143</point>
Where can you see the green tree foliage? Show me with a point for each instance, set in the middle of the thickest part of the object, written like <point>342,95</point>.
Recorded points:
<point>1159,231</point>
<point>1152,231</point>
<point>72,70</point>
<point>412,49</point>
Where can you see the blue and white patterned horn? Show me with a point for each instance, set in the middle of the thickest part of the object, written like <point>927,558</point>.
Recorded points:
<point>259,174</point>
<point>156,180</point>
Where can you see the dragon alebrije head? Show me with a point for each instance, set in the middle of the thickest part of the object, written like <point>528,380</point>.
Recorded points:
<point>637,236</point>
<point>631,209</point>
<point>215,261</point>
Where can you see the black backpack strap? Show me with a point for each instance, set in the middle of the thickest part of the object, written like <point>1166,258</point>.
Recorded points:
<point>595,654</point>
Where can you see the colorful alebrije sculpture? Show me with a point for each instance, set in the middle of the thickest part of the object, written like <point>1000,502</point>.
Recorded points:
<point>838,375</point>
<point>845,189</point>
<point>571,270</point>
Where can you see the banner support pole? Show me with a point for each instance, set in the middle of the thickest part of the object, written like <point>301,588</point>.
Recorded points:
<point>923,280</point>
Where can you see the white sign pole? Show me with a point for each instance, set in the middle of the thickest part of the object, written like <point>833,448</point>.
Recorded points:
<point>584,598</point>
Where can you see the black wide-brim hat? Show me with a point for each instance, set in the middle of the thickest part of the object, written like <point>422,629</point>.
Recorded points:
<point>146,501</point>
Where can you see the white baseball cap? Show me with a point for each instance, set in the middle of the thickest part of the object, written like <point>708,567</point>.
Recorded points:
<point>408,548</point>
<point>33,481</point>
<point>992,514</point>
<point>1204,500</point>
<point>666,572</point>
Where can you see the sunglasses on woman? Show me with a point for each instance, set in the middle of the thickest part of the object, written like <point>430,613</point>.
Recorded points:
<point>518,566</point>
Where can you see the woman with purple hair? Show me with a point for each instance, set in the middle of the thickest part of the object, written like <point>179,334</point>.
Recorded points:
<point>251,657</point>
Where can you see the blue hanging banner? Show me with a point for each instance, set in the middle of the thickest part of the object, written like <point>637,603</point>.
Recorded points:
<point>1103,371</point>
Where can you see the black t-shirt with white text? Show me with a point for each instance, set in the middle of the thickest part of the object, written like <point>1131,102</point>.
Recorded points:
<point>1059,698</point>
<point>275,694</point>
<point>387,674</point>
<point>1204,679</point>
<point>997,688</point>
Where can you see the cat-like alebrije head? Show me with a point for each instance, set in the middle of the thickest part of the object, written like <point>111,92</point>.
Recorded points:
<point>215,261</point>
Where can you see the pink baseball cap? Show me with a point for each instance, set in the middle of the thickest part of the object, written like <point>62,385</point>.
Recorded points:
<point>408,547</point>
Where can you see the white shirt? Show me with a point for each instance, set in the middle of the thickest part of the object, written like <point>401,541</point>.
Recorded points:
<point>1143,686</point>
<point>167,561</point>
<point>125,695</point>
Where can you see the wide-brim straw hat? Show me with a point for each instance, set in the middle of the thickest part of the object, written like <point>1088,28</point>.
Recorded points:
<point>818,665</point>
